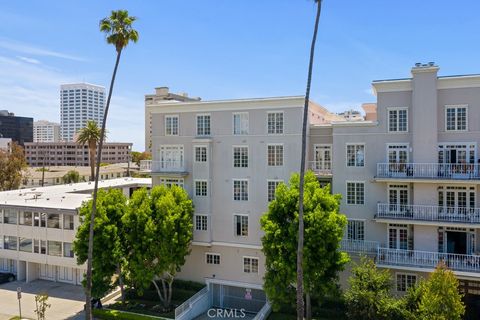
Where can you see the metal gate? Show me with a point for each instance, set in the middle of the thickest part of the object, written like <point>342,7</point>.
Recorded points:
<point>230,297</point>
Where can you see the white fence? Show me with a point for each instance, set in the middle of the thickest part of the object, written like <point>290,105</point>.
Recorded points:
<point>146,165</point>
<point>359,246</point>
<point>464,171</point>
<point>264,312</point>
<point>195,306</point>
<point>324,169</point>
<point>428,213</point>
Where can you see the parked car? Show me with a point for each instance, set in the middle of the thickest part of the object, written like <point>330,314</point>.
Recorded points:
<point>6,277</point>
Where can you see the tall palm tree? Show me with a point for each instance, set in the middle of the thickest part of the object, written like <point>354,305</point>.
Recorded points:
<point>119,32</point>
<point>90,135</point>
<point>300,291</point>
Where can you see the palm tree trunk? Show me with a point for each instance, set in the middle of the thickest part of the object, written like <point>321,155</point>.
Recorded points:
<point>91,151</point>
<point>300,302</point>
<point>88,293</point>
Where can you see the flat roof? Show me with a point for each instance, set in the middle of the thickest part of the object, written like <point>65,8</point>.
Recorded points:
<point>67,197</point>
<point>473,75</point>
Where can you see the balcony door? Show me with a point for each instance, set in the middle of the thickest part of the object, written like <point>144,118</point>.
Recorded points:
<point>397,155</point>
<point>456,240</point>
<point>398,236</point>
<point>398,198</point>
<point>171,157</point>
<point>323,157</point>
<point>456,201</point>
<point>456,153</point>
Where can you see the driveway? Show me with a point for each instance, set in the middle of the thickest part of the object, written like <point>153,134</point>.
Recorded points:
<point>66,300</point>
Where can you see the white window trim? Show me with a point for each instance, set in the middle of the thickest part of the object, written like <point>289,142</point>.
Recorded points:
<point>195,188</point>
<point>196,124</point>
<point>213,254</point>
<point>456,106</point>
<point>406,274</point>
<point>364,226</point>
<point>283,124</point>
<point>178,124</point>
<point>195,153</point>
<point>283,154</point>
<point>233,155</point>
<point>233,189</point>
<point>251,258</point>
<point>346,154</point>
<point>346,192</point>
<point>233,123</point>
<point>201,215</point>
<point>403,144</point>
<point>273,180</point>
<point>235,225</point>
<point>388,120</point>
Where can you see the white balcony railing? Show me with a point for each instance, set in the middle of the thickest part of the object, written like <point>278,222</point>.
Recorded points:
<point>168,166</point>
<point>359,246</point>
<point>145,165</point>
<point>429,260</point>
<point>428,213</point>
<point>463,171</point>
<point>322,169</point>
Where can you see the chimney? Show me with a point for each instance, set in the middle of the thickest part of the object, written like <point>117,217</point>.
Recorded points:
<point>370,111</point>
<point>161,91</point>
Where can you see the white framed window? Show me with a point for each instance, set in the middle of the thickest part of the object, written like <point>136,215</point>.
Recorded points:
<point>200,153</point>
<point>212,258</point>
<point>275,155</point>
<point>355,155</point>
<point>397,119</point>
<point>355,192</point>
<point>171,125</point>
<point>172,181</point>
<point>201,222</point>
<point>203,125</point>
<point>456,118</point>
<point>171,157</point>
<point>240,189</point>
<point>398,236</point>
<point>275,122</point>
<point>405,281</point>
<point>240,156</point>
<point>271,188</point>
<point>355,229</point>
<point>201,188</point>
<point>240,123</point>
<point>250,265</point>
<point>322,154</point>
<point>240,225</point>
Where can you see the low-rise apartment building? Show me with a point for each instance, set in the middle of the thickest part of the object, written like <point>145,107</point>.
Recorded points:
<point>38,226</point>
<point>66,153</point>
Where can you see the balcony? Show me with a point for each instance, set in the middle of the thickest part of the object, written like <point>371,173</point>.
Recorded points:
<point>427,260</point>
<point>171,167</point>
<point>145,165</point>
<point>428,213</point>
<point>438,171</point>
<point>359,246</point>
<point>320,169</point>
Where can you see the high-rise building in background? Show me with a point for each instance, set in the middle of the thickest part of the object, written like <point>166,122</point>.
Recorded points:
<point>46,131</point>
<point>79,103</point>
<point>19,129</point>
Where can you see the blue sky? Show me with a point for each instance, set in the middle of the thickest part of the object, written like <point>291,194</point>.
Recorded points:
<point>221,49</point>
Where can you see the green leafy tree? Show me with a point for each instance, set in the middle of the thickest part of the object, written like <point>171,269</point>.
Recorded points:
<point>119,32</point>
<point>71,176</point>
<point>440,299</point>
<point>324,227</point>
<point>369,293</point>
<point>90,135</point>
<point>139,156</point>
<point>159,231</point>
<point>108,240</point>
<point>12,167</point>
<point>301,227</point>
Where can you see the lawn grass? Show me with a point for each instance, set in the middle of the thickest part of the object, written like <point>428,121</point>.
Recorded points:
<point>105,314</point>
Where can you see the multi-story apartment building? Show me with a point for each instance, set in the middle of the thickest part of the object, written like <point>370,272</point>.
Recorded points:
<point>79,103</point>
<point>38,226</point>
<point>19,129</point>
<point>46,131</point>
<point>73,154</point>
<point>5,144</point>
<point>409,175</point>
<point>229,156</point>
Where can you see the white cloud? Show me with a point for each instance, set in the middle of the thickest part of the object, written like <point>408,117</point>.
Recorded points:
<point>29,60</point>
<point>33,50</point>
